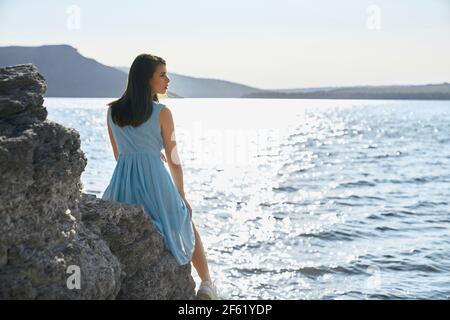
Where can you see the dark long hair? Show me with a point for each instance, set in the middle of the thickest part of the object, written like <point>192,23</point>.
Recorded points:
<point>136,106</point>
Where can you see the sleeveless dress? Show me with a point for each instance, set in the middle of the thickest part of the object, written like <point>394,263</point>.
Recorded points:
<point>140,177</point>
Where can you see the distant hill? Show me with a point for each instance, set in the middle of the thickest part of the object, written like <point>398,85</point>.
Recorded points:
<point>410,92</point>
<point>68,73</point>
<point>190,87</point>
<point>301,90</point>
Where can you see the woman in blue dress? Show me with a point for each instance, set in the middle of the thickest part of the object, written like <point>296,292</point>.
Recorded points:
<point>139,128</point>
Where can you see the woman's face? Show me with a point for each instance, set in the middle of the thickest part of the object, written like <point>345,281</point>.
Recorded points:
<point>159,82</point>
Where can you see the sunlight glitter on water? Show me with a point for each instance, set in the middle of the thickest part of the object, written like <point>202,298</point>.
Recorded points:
<point>323,199</point>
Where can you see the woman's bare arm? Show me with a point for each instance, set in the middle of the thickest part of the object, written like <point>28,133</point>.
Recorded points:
<point>111,138</point>
<point>170,148</point>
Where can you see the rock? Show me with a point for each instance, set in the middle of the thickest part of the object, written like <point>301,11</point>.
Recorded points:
<point>150,270</point>
<point>21,94</point>
<point>48,225</point>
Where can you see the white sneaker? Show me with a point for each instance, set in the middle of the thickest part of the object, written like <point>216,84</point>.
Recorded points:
<point>207,291</point>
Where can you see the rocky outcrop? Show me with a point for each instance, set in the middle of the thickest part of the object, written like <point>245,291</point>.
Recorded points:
<point>55,242</point>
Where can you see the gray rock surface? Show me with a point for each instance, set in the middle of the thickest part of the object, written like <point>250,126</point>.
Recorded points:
<point>47,224</point>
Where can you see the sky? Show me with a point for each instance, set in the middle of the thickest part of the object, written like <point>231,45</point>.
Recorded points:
<point>268,44</point>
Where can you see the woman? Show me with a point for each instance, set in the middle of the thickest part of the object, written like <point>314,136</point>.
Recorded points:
<point>139,128</point>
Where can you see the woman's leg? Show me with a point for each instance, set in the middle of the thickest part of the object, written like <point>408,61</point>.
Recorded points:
<point>199,258</point>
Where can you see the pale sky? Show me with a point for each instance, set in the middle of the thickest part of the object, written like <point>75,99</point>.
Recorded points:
<point>268,44</point>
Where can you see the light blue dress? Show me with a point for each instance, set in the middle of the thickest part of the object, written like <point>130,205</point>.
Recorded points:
<point>140,177</point>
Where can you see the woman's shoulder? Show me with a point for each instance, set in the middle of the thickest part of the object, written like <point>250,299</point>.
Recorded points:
<point>108,111</point>
<point>159,104</point>
<point>160,108</point>
<point>165,115</point>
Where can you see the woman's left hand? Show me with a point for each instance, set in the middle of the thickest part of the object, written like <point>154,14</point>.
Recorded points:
<point>187,206</point>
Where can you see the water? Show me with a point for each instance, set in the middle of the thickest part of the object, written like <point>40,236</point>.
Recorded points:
<point>305,199</point>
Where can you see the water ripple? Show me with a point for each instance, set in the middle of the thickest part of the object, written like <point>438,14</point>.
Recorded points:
<point>344,199</point>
